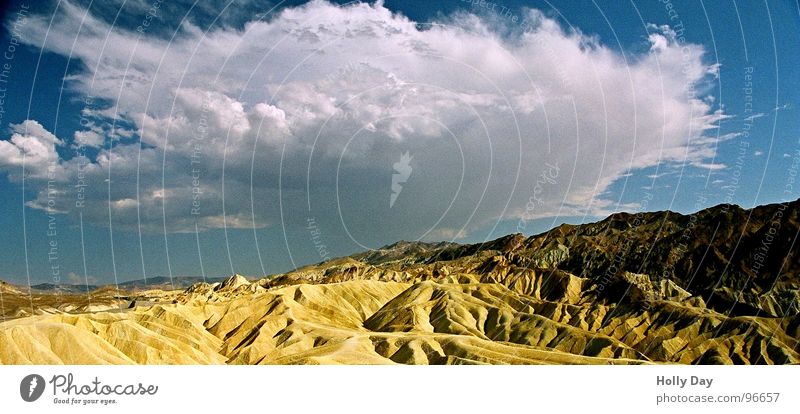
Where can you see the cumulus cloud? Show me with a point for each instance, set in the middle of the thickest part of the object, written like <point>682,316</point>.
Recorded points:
<point>32,146</point>
<point>304,115</point>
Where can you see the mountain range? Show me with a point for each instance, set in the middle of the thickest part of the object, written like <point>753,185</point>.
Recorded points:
<point>158,282</point>
<point>720,286</point>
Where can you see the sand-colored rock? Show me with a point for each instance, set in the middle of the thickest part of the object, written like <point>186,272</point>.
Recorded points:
<point>546,299</point>
<point>378,322</point>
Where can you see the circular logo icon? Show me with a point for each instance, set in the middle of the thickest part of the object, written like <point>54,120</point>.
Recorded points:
<point>31,387</point>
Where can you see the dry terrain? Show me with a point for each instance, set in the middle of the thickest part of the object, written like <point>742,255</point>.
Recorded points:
<point>716,287</point>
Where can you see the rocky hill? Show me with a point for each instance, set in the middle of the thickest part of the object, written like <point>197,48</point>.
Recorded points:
<point>718,286</point>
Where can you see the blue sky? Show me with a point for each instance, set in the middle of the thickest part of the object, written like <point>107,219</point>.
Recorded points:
<point>517,116</point>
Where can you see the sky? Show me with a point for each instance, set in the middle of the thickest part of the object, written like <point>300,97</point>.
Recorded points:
<point>145,138</point>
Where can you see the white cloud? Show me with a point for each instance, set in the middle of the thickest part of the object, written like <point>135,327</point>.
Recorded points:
<point>336,91</point>
<point>34,147</point>
<point>92,137</point>
<point>755,116</point>
<point>711,166</point>
<point>446,234</point>
<point>76,279</point>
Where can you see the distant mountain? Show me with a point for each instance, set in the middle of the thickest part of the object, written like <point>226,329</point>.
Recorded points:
<point>63,288</point>
<point>160,282</point>
<point>720,286</point>
<point>401,251</point>
<point>744,262</point>
<point>178,282</point>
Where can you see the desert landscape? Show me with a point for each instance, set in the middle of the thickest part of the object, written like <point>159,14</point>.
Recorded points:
<point>720,286</point>
<point>306,205</point>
